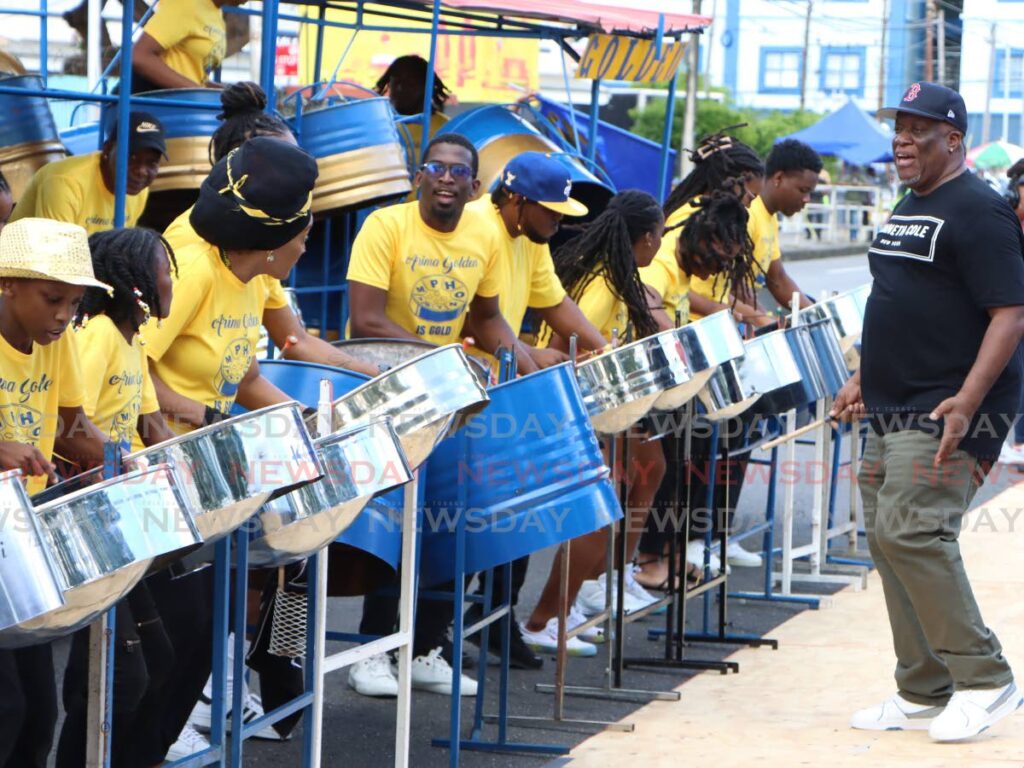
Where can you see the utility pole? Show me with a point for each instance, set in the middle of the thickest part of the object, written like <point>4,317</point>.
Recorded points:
<point>941,28</point>
<point>709,34</point>
<point>803,62</point>
<point>986,121</point>
<point>690,115</point>
<point>885,54</point>
<point>929,41</point>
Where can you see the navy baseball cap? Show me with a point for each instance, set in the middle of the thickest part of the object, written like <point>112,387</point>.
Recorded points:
<point>933,101</point>
<point>144,132</point>
<point>540,177</point>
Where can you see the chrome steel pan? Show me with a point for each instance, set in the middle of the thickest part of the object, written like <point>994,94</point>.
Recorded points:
<point>707,343</point>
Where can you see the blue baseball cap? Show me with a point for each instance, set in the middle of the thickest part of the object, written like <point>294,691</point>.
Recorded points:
<point>931,100</point>
<point>540,177</point>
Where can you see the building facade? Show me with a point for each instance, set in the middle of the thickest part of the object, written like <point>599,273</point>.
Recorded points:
<point>992,69</point>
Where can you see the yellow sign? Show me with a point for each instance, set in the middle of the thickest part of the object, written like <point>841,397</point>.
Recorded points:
<point>475,69</point>
<point>617,57</point>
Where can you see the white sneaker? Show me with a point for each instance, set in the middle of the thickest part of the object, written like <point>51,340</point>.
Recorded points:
<point>1011,454</point>
<point>190,742</point>
<point>593,635</point>
<point>373,677</point>
<point>741,558</point>
<point>433,673</point>
<point>895,714</point>
<point>968,713</point>
<point>635,590</point>
<point>590,600</point>
<point>695,555</point>
<point>252,709</point>
<point>546,640</point>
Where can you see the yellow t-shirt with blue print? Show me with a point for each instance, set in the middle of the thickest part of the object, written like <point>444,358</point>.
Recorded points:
<point>180,233</point>
<point>665,275</point>
<point>601,307</point>
<point>72,190</point>
<point>116,377</point>
<point>430,277</point>
<point>763,228</point>
<point>32,387</point>
<point>192,34</point>
<point>206,345</point>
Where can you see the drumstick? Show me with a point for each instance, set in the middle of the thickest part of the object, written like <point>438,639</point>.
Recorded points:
<point>793,435</point>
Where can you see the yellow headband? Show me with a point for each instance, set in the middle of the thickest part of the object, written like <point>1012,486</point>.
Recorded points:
<point>235,187</point>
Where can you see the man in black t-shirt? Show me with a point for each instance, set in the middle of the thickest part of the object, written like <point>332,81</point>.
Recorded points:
<point>939,382</point>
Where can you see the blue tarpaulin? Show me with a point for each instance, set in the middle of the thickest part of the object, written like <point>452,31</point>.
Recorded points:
<point>850,134</point>
<point>631,161</point>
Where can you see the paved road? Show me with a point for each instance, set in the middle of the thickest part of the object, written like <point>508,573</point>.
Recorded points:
<point>815,276</point>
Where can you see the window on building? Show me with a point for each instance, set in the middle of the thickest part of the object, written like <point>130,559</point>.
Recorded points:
<point>842,70</point>
<point>1014,87</point>
<point>780,70</point>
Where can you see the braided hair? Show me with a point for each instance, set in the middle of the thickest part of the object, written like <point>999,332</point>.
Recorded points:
<point>718,161</point>
<point>243,117</point>
<point>123,259</point>
<point>419,69</point>
<point>720,219</point>
<point>604,250</point>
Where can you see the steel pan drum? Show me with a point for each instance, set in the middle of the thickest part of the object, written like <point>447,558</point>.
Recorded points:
<point>619,387</point>
<point>499,133</point>
<point>358,464</point>
<point>30,577</point>
<point>28,134</point>
<point>530,472</point>
<point>829,356</point>
<point>422,396</point>
<point>103,539</point>
<point>706,343</point>
<point>358,152</point>
<point>387,353</point>
<point>846,311</point>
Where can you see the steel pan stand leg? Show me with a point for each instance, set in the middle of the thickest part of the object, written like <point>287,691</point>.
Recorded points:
<point>406,603</point>
<point>850,526</point>
<point>316,646</point>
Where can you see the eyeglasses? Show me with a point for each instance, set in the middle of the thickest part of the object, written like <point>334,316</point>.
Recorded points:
<point>437,169</point>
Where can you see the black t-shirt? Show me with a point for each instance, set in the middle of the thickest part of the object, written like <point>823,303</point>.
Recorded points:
<point>939,263</point>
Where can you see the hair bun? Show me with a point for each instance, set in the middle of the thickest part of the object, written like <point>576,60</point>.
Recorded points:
<point>241,98</point>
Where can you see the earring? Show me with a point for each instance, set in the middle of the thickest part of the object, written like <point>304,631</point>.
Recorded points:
<point>270,256</point>
<point>142,304</point>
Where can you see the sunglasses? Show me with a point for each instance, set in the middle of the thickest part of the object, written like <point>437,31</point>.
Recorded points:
<point>437,169</point>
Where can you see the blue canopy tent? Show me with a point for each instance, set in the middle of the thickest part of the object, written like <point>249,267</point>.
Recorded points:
<point>850,134</point>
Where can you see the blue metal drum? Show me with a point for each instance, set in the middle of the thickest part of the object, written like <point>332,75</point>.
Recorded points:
<point>28,134</point>
<point>527,472</point>
<point>358,152</point>
<point>301,381</point>
<point>499,133</point>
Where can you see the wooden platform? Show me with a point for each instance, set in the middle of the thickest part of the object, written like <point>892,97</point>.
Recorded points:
<point>790,707</point>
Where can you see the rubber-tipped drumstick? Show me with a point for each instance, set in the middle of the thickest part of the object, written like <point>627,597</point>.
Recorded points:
<point>782,439</point>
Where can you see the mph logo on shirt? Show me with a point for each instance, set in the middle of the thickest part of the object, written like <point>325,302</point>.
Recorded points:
<point>908,237</point>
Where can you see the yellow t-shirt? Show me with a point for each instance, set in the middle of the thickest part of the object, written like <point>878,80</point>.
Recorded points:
<point>72,190</point>
<point>430,277</point>
<point>600,306</point>
<point>117,384</point>
<point>763,228</point>
<point>32,387</point>
<point>204,349</point>
<point>665,275</point>
<point>192,34</point>
<point>180,233</point>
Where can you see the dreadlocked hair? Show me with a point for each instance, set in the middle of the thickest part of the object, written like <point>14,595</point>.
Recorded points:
<point>604,250</point>
<point>4,184</point>
<point>419,67</point>
<point>123,259</point>
<point>720,218</point>
<point>243,117</point>
<point>1016,171</point>
<point>718,160</point>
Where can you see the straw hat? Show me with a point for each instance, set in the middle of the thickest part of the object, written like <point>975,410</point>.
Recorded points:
<point>43,249</point>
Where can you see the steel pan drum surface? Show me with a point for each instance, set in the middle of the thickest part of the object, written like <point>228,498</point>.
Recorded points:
<point>103,539</point>
<point>808,388</point>
<point>845,311</point>
<point>829,356</point>
<point>706,343</point>
<point>619,387</point>
<point>387,353</point>
<point>531,471</point>
<point>421,396</point>
<point>31,579</point>
<point>358,464</point>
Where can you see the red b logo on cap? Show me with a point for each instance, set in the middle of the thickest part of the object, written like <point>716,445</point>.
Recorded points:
<point>912,92</point>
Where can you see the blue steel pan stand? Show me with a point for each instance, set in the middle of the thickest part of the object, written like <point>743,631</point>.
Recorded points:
<point>501,613</point>
<point>853,554</point>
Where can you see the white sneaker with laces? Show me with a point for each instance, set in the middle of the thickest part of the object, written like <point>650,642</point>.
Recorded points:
<point>741,558</point>
<point>1011,454</point>
<point>895,714</point>
<point>695,555</point>
<point>968,713</point>
<point>190,742</point>
<point>546,640</point>
<point>635,589</point>
<point>591,598</point>
<point>373,677</point>
<point>593,635</point>
<point>252,709</point>
<point>433,673</point>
